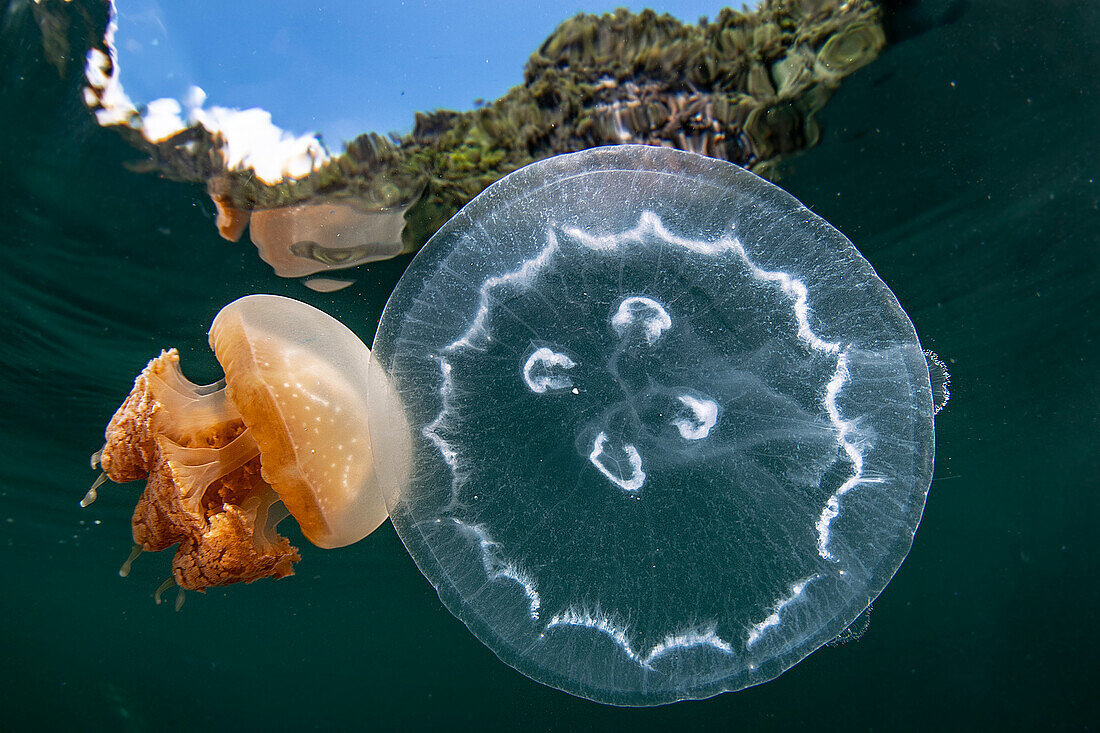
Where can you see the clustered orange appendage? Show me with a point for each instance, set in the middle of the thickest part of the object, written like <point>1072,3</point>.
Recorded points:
<point>203,486</point>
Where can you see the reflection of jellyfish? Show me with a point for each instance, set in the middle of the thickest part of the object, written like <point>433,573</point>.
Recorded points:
<point>327,235</point>
<point>224,463</point>
<point>671,432</point>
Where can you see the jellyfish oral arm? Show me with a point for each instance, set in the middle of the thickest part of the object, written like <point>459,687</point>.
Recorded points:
<point>195,469</point>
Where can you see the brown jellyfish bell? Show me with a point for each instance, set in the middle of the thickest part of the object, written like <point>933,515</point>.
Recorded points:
<point>284,432</point>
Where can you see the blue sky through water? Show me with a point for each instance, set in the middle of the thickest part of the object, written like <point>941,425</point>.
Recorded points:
<point>346,66</point>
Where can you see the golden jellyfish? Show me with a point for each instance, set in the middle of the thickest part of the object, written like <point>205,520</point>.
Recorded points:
<point>284,433</point>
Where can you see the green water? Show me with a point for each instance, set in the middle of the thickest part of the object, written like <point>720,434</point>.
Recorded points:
<point>963,164</point>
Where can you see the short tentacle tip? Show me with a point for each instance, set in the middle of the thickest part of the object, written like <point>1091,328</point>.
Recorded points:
<point>125,569</point>
<point>161,588</point>
<point>93,492</point>
<point>98,456</point>
<point>180,596</point>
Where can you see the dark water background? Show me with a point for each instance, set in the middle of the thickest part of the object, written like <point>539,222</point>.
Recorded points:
<point>963,163</point>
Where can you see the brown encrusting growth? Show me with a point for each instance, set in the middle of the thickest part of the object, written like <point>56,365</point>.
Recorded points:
<point>203,486</point>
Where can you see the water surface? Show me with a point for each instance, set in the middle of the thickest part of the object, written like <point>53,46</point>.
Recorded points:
<point>962,164</point>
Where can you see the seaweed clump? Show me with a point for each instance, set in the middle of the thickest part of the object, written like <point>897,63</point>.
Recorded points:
<point>743,88</point>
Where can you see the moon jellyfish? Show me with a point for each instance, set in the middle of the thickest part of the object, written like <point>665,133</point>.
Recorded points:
<point>670,433</point>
